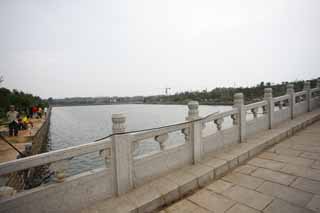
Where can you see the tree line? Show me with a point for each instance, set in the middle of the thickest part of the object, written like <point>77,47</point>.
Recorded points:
<point>224,95</point>
<point>22,101</point>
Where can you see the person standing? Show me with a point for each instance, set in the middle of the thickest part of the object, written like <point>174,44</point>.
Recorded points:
<point>34,112</point>
<point>45,111</point>
<point>12,116</point>
<point>39,112</point>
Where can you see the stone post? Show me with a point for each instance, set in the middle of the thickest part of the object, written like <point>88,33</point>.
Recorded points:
<point>292,99</point>
<point>307,88</point>
<point>270,105</point>
<point>195,130</point>
<point>122,155</point>
<point>318,82</point>
<point>238,103</point>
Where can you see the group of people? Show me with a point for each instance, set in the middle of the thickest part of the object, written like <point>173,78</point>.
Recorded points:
<point>37,112</point>
<point>18,122</point>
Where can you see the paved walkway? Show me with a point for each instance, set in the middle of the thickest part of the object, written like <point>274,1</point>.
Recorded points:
<point>285,178</point>
<point>7,153</point>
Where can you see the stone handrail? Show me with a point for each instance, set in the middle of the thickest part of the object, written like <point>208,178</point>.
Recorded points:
<point>281,98</point>
<point>165,130</point>
<point>315,89</point>
<point>220,115</point>
<point>256,105</point>
<point>53,156</point>
<point>301,93</point>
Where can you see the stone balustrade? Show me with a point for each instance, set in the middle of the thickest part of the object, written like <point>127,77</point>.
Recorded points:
<point>124,171</point>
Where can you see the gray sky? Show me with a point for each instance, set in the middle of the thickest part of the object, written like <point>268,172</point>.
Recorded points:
<point>59,48</point>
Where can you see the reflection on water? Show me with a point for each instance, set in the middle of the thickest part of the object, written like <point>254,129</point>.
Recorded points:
<point>76,125</point>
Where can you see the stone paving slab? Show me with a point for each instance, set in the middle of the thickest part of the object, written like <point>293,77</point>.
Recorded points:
<point>219,186</point>
<point>285,151</point>
<point>279,206</point>
<point>181,206</point>
<point>307,185</point>
<point>310,155</point>
<point>274,176</point>
<point>246,169</point>
<point>243,180</point>
<point>294,196</point>
<point>315,204</point>
<point>265,163</point>
<point>316,165</point>
<point>248,197</point>
<point>300,171</point>
<point>211,201</point>
<point>287,159</point>
<point>239,208</point>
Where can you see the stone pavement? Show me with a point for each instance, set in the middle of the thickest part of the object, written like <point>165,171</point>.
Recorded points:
<point>24,137</point>
<point>284,178</point>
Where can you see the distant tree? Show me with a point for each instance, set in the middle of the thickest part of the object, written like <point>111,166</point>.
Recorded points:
<point>21,100</point>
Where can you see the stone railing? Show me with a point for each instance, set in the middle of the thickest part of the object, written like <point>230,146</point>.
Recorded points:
<point>124,171</point>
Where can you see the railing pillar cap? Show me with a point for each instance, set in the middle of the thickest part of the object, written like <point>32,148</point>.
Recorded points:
<point>290,88</point>
<point>238,98</point>
<point>238,95</point>
<point>268,92</point>
<point>306,85</point>
<point>193,112</point>
<point>119,122</point>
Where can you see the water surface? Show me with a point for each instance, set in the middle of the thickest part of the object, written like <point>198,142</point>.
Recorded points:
<point>77,125</point>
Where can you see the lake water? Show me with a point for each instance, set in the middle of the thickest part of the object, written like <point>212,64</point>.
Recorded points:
<point>71,126</point>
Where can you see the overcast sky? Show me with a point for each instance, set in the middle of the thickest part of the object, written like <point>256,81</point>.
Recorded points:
<point>59,48</point>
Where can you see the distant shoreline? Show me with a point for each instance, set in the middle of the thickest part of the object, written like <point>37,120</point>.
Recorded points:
<point>155,103</point>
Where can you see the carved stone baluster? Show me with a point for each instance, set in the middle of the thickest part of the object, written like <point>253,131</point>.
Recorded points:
<point>135,146</point>
<point>254,112</point>
<point>280,105</point>
<point>235,120</point>
<point>106,154</point>
<point>264,109</point>
<point>161,139</point>
<point>219,122</point>
<point>186,132</point>
<point>59,169</point>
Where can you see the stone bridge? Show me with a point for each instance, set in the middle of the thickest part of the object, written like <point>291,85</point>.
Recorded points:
<point>218,167</point>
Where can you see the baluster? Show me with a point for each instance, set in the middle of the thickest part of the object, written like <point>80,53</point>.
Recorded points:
<point>264,109</point>
<point>234,118</point>
<point>59,169</point>
<point>242,113</point>
<point>106,154</point>
<point>161,139</point>
<point>280,105</point>
<point>254,112</point>
<point>186,132</point>
<point>307,88</point>
<point>269,106</point>
<point>195,130</point>
<point>291,101</point>
<point>135,146</point>
<point>219,122</point>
